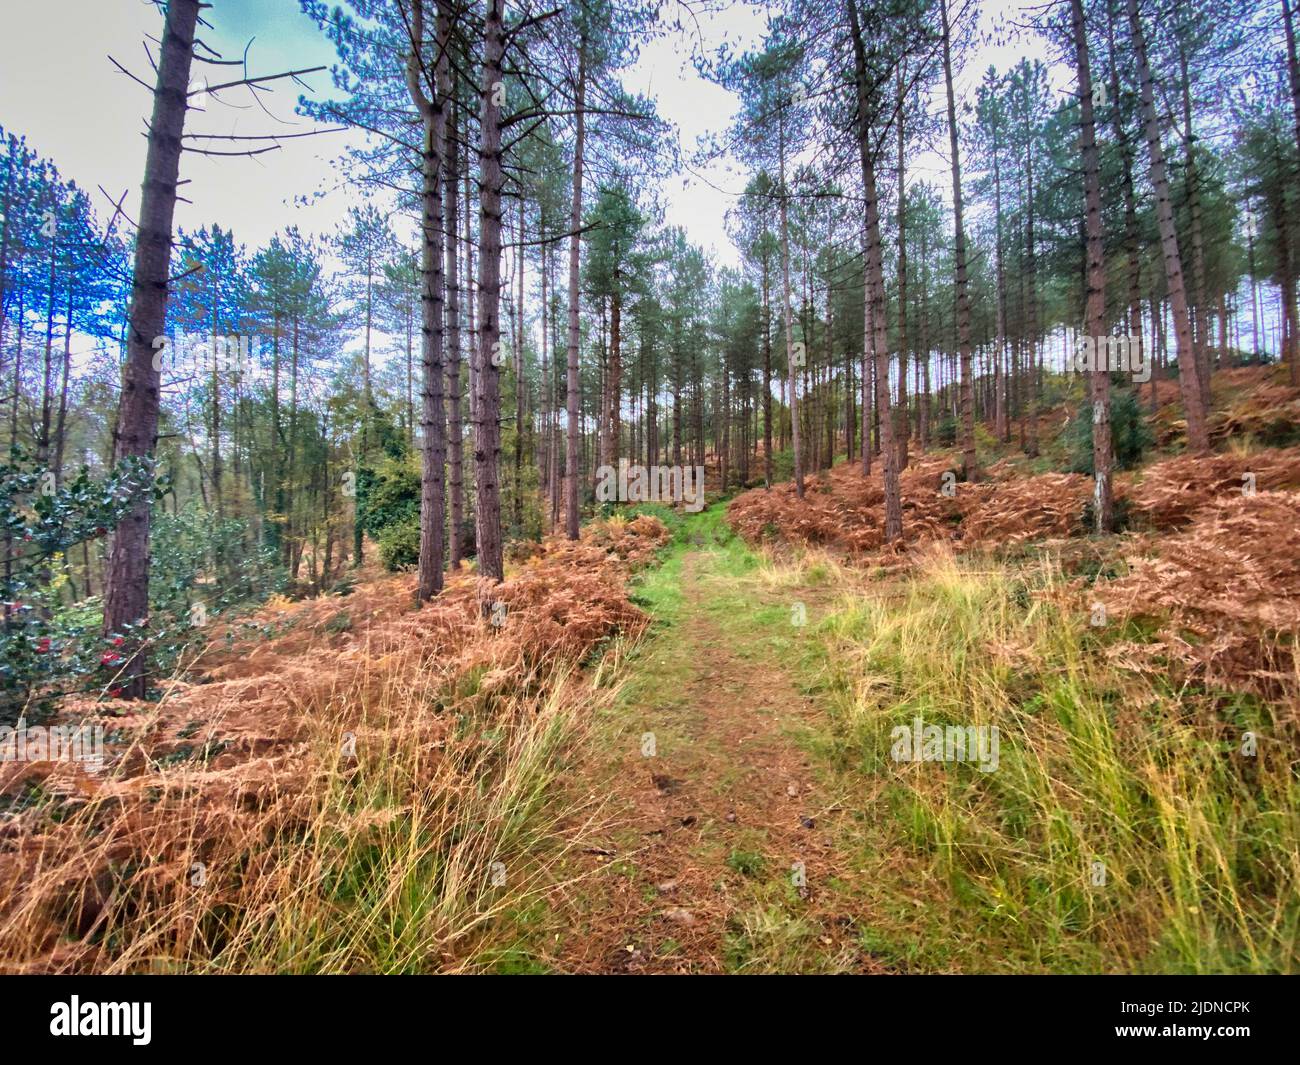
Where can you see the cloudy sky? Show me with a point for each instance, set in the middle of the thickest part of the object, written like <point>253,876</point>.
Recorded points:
<point>58,86</point>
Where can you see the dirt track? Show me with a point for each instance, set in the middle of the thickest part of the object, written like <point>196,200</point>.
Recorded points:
<point>700,872</point>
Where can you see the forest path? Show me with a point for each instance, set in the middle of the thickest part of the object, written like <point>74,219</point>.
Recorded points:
<point>718,856</point>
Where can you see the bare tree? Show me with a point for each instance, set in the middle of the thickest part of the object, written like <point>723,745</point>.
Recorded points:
<point>1103,505</point>
<point>126,597</point>
<point>430,106</point>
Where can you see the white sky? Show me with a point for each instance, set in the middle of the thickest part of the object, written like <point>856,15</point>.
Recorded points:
<point>697,107</point>
<point>58,87</point>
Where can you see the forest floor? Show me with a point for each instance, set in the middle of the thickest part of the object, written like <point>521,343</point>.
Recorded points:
<point>738,805</point>
<point>710,783</point>
<point>718,855</point>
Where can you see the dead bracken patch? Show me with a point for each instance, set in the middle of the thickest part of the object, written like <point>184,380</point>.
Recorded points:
<point>842,508</point>
<point>845,510</point>
<point>224,792</point>
<point>1165,495</point>
<point>1210,554</point>
<point>1227,592</point>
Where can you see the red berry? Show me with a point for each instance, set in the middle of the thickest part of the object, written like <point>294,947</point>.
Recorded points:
<point>114,692</point>
<point>109,657</point>
<point>42,645</point>
<point>118,641</point>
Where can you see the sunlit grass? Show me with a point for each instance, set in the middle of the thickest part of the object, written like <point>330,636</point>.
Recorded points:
<point>1122,830</point>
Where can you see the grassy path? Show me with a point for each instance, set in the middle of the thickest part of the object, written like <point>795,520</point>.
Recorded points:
<point>717,856</point>
<point>736,803</point>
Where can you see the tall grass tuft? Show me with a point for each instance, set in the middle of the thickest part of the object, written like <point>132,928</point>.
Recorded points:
<point>1124,828</point>
<point>400,857</point>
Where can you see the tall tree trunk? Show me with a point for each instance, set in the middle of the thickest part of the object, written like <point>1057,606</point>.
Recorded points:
<point>367,407</point>
<point>432,423</point>
<point>275,528</point>
<point>451,206</point>
<point>875,281</point>
<point>126,599</point>
<point>518,502</point>
<point>1292,356</point>
<point>47,378</point>
<point>1292,64</point>
<point>60,425</point>
<point>545,457</point>
<point>868,357</point>
<point>218,502</point>
<point>1132,249</point>
<point>1029,329</point>
<point>558,389</point>
<point>1198,438</point>
<point>18,369</point>
<point>409,315</point>
<point>849,440</point>
<point>614,383</point>
<point>1103,506</point>
<point>922,317</point>
<point>904,427</point>
<point>725,442</point>
<point>573,429</point>
<point>767,377</point>
<point>5,204</point>
<point>294,349</point>
<point>18,153</point>
<point>487,423</point>
<point>967,426</point>
<point>790,359</point>
<point>1285,264</point>
<point>471,315</point>
<point>697,373</point>
<point>1200,303</point>
<point>1002,427</point>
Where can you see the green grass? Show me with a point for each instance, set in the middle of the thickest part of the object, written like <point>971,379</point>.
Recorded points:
<point>1200,847</point>
<point>746,863</point>
<point>971,871</point>
<point>950,869</point>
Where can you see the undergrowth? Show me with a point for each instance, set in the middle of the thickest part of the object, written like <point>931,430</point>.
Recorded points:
<point>1124,828</point>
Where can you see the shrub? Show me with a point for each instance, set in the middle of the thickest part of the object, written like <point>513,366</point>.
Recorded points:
<point>399,544</point>
<point>197,558</point>
<point>46,650</point>
<point>388,498</point>
<point>1130,434</point>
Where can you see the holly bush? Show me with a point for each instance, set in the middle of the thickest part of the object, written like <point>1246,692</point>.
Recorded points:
<point>45,649</point>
